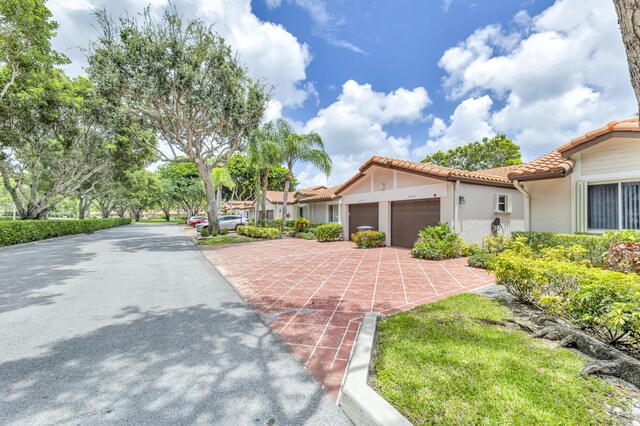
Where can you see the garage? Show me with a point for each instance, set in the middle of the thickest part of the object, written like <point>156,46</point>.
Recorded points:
<point>409,217</point>
<point>362,215</point>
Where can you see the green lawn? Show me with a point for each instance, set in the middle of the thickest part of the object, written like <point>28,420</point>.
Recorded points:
<point>226,239</point>
<point>438,365</point>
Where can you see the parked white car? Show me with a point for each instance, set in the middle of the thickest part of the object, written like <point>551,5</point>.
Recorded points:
<point>230,222</point>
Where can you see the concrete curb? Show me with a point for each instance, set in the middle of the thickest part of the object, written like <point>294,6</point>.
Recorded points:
<point>360,403</point>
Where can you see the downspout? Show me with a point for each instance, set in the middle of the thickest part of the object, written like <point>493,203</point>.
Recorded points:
<point>456,207</point>
<point>527,204</point>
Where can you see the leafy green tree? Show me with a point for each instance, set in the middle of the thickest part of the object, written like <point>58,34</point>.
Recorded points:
<point>56,136</point>
<point>141,192</point>
<point>182,182</point>
<point>295,149</point>
<point>244,175</point>
<point>26,31</point>
<point>499,151</point>
<point>182,80</point>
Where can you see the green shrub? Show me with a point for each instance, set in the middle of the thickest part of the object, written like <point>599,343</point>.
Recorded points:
<point>439,242</point>
<point>213,233</point>
<point>607,303</point>
<point>481,259</point>
<point>496,244</point>
<point>329,232</point>
<point>24,231</point>
<point>205,232</point>
<point>305,235</point>
<point>366,239</point>
<point>595,245</point>
<point>301,224</point>
<point>258,232</point>
<point>313,231</point>
<point>224,231</point>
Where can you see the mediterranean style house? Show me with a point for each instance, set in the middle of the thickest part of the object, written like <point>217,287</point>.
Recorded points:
<point>591,184</point>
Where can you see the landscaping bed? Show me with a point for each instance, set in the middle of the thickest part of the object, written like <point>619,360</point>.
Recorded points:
<point>225,239</point>
<point>454,362</point>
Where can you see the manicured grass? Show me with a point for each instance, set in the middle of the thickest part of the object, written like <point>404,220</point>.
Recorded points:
<point>438,365</point>
<point>226,239</point>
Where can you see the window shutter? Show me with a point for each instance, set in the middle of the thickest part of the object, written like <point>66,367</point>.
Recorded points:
<point>496,198</point>
<point>508,197</point>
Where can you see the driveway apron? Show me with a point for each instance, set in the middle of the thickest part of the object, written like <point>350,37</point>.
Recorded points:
<point>133,325</point>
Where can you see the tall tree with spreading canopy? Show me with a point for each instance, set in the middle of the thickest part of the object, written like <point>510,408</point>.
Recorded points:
<point>56,135</point>
<point>294,149</point>
<point>499,151</point>
<point>182,181</point>
<point>26,30</point>
<point>182,80</point>
<point>629,20</point>
<point>244,174</point>
<point>220,178</point>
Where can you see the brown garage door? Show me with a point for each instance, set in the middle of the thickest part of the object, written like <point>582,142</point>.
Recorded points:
<point>409,217</point>
<point>362,215</point>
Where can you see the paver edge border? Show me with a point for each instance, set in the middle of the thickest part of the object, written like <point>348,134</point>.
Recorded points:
<point>358,400</point>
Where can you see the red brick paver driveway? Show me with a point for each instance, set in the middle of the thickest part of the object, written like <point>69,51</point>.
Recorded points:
<point>315,294</point>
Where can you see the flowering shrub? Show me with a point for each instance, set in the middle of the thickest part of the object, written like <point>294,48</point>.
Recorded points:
<point>366,239</point>
<point>623,257</point>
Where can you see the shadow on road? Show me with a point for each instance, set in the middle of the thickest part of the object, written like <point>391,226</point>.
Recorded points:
<point>181,366</point>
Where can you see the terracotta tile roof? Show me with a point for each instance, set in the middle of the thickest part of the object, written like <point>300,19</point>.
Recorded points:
<point>488,177</point>
<point>242,204</point>
<point>557,163</point>
<point>630,125</point>
<point>275,197</point>
<point>551,163</point>
<point>318,194</point>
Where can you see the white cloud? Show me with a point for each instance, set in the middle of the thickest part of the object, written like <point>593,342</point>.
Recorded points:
<point>554,77</point>
<point>326,25</point>
<point>353,127</point>
<point>268,50</point>
<point>468,123</point>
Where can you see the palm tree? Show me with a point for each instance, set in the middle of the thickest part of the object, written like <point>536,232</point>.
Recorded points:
<point>296,148</point>
<point>220,178</point>
<point>264,153</point>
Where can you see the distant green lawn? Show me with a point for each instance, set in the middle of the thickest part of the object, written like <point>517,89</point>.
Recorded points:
<point>438,365</point>
<point>226,239</point>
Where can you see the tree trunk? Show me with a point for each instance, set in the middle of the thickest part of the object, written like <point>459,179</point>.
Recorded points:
<point>210,194</point>
<point>629,20</point>
<point>265,186</point>
<point>285,196</point>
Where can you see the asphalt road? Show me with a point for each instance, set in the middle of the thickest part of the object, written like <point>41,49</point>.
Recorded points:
<point>132,325</point>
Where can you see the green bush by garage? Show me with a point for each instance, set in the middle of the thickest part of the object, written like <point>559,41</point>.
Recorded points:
<point>25,231</point>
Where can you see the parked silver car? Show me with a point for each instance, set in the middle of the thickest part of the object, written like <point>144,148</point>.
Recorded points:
<point>229,222</point>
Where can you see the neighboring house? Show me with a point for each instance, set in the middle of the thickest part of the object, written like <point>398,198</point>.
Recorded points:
<point>319,204</point>
<point>402,197</point>
<point>590,184</point>
<point>274,205</point>
<point>244,208</point>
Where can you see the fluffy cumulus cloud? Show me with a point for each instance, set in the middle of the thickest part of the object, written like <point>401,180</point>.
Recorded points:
<point>354,127</point>
<point>548,79</point>
<point>268,50</point>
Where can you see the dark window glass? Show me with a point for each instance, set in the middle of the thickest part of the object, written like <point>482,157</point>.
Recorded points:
<point>631,205</point>
<point>602,209</point>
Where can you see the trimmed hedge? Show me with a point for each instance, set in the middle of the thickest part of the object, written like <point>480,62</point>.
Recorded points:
<point>24,231</point>
<point>604,302</point>
<point>329,232</point>
<point>366,239</point>
<point>258,232</point>
<point>301,224</point>
<point>439,242</point>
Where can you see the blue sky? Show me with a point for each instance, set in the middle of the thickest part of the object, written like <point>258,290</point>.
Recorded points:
<point>406,78</point>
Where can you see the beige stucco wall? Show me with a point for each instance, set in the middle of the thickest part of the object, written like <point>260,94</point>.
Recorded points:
<point>550,205</point>
<point>478,212</point>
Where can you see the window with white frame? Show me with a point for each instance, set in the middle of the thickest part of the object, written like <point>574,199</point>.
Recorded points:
<point>613,205</point>
<point>502,203</point>
<point>334,213</point>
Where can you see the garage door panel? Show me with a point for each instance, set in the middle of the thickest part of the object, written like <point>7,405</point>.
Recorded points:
<point>362,215</point>
<point>409,217</point>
